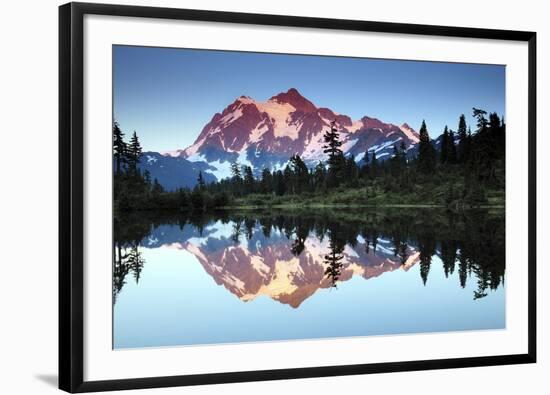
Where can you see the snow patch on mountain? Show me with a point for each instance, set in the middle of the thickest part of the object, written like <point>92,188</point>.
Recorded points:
<point>221,169</point>
<point>242,159</point>
<point>314,149</point>
<point>257,133</point>
<point>279,114</point>
<point>231,117</point>
<point>410,133</point>
<point>173,154</point>
<point>377,148</point>
<point>192,150</point>
<point>348,145</point>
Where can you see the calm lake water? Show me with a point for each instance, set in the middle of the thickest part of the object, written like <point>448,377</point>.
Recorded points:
<point>274,275</point>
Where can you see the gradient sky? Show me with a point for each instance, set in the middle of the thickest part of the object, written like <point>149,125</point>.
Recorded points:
<point>167,95</point>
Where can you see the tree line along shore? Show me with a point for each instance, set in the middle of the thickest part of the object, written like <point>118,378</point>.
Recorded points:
<point>467,170</point>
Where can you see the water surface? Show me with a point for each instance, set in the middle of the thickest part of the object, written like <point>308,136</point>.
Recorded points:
<point>252,276</point>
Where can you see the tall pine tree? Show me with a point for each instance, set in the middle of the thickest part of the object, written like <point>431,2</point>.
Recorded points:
<point>119,147</point>
<point>463,140</point>
<point>426,152</point>
<point>200,181</point>
<point>444,154</point>
<point>248,179</point>
<point>373,165</point>
<point>134,152</point>
<point>336,159</point>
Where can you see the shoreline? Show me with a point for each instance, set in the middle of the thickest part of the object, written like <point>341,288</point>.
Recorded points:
<point>325,206</point>
<point>396,205</point>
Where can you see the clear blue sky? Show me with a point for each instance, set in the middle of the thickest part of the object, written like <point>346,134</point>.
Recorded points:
<point>167,95</point>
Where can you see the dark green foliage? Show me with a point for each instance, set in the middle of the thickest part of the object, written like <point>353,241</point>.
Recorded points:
<point>298,175</point>
<point>448,153</point>
<point>486,162</point>
<point>248,180</point>
<point>134,152</point>
<point>319,177</point>
<point>351,172</point>
<point>469,175</point>
<point>471,243</point>
<point>198,199</point>
<point>373,165</point>
<point>426,152</point>
<point>266,181</point>
<point>119,148</point>
<point>157,188</point>
<point>336,160</point>
<point>464,140</point>
<point>200,181</point>
<point>279,183</point>
<point>236,171</point>
<point>444,154</point>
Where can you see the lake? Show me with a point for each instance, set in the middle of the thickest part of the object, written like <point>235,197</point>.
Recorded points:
<point>271,275</point>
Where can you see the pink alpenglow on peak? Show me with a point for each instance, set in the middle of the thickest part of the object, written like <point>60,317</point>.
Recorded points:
<point>265,134</point>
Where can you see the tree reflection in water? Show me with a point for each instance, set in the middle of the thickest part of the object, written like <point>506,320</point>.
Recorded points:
<point>472,242</point>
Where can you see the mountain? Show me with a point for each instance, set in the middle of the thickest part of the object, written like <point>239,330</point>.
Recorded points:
<point>174,172</point>
<point>266,134</point>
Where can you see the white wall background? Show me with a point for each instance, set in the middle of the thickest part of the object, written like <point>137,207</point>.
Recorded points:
<point>28,196</point>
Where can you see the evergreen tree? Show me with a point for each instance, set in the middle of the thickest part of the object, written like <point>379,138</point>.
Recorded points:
<point>279,183</point>
<point>444,154</point>
<point>147,179</point>
<point>332,143</point>
<point>197,199</point>
<point>319,176</point>
<point>134,152</point>
<point>482,122</point>
<point>483,150</point>
<point>336,160</point>
<point>300,179</point>
<point>365,169</point>
<point>352,171</point>
<point>200,181</point>
<point>157,188</point>
<point>426,152</point>
<point>183,198</point>
<point>395,162</point>
<point>287,180</point>
<point>236,171</point>
<point>119,147</point>
<point>248,179</point>
<point>497,135</point>
<point>236,179</point>
<point>266,183</point>
<point>373,165</point>
<point>463,144</point>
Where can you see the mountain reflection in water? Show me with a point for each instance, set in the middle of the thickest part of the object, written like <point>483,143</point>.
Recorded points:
<point>290,256</point>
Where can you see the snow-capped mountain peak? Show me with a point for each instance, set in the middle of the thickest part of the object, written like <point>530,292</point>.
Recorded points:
<point>266,134</point>
<point>295,99</point>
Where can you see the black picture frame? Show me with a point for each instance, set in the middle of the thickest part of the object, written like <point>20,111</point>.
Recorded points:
<point>71,222</point>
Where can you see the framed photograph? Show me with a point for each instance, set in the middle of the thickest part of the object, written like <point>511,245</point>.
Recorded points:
<point>251,197</point>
